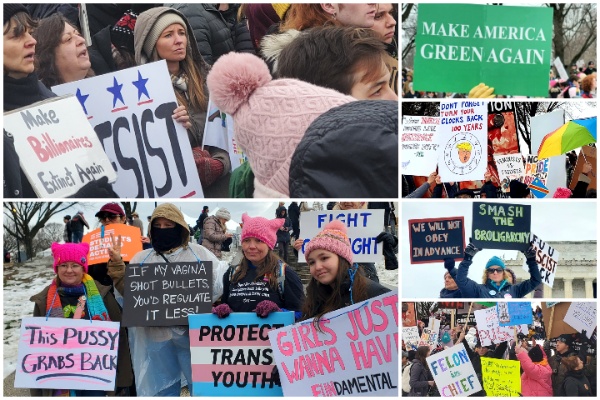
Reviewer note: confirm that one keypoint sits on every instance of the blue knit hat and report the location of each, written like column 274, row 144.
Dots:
column 495, row 261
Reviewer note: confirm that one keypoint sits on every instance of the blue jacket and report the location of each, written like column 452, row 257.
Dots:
column 451, row 294
column 472, row 289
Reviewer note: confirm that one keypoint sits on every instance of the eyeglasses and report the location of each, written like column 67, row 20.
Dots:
column 65, row 267
column 492, row 270
column 110, row 217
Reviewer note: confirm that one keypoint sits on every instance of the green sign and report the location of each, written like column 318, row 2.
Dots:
column 459, row 46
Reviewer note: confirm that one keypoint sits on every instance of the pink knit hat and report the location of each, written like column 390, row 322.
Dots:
column 270, row 116
column 261, row 228
column 332, row 238
column 71, row 252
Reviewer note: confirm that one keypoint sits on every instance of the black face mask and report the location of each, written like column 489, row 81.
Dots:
column 166, row 238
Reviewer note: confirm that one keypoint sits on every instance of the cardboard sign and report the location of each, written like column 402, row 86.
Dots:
column 164, row 294
column 433, row 239
column 510, row 314
column 546, row 258
column 363, row 227
column 409, row 316
column 100, row 241
column 501, row 378
column 459, row 46
column 420, row 144
column 489, row 329
column 453, row 372
column 463, row 130
column 510, row 167
column 132, row 113
column 218, row 132
column 58, row 150
column 354, row 354
column 232, row 356
column 501, row 226
column 587, row 154
column 554, row 320
column 582, row 316
column 64, row 353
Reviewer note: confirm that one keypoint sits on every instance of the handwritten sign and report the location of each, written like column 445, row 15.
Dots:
column 218, row 132
column 58, row 149
column 501, row 378
column 582, row 316
column 163, row 294
column 489, row 329
column 433, row 239
column 546, row 257
column 431, row 335
column 132, row 113
column 510, row 314
column 100, row 241
column 354, row 354
column 410, row 337
column 233, row 356
column 460, row 45
column 501, row 226
column 453, row 372
column 420, row 143
column 363, row 227
column 535, row 168
column 510, row 167
column 64, row 353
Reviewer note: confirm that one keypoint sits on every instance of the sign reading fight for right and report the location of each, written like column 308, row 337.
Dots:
column 501, row 226
column 459, row 46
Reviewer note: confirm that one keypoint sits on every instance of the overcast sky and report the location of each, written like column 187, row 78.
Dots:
column 551, row 220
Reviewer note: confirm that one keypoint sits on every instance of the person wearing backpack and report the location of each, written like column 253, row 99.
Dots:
column 261, row 272
column 406, row 371
column 421, row 379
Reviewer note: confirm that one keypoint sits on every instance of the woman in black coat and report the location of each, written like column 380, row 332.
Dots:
column 421, row 379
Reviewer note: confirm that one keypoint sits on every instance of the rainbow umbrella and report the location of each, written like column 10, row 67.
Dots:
column 572, row 135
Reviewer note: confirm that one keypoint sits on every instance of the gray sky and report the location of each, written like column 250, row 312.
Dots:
column 551, row 220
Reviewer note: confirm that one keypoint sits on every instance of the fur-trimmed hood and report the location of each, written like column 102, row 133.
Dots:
column 271, row 46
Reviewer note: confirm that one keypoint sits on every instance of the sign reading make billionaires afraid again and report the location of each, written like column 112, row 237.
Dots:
column 461, row 45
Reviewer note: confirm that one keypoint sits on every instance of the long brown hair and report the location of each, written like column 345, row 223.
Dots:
column 267, row 268
column 304, row 16
column 321, row 299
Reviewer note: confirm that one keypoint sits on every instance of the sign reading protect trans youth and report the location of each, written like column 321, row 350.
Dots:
column 459, row 46
column 501, row 226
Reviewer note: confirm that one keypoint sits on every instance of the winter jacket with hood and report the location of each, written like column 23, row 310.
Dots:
column 536, row 379
column 213, row 235
column 419, row 378
column 472, row 289
column 577, row 384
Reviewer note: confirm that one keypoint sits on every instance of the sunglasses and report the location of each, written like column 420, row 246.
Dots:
column 110, row 217
column 492, row 270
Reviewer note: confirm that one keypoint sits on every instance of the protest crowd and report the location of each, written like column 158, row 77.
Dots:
column 505, row 356
column 263, row 66
column 99, row 280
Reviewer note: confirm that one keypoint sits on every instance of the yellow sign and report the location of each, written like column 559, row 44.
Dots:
column 501, row 378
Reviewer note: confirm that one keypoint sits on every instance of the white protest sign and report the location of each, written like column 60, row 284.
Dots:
column 363, row 227
column 562, row 72
column 410, row 336
column 463, row 140
column 132, row 113
column 489, row 329
column 218, row 132
column 453, row 372
column 547, row 259
column 535, row 168
column 541, row 125
column 65, row 353
column 431, row 335
column 58, row 150
column 355, row 353
column 420, row 144
column 510, row 167
column 582, row 316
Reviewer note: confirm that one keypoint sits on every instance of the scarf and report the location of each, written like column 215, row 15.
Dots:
column 87, row 287
column 543, row 363
column 23, row 92
column 497, row 287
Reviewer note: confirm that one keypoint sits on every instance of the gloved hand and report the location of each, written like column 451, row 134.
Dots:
column 222, row 310
column 530, row 252
column 449, row 263
column 583, row 337
column 471, row 250
column 265, row 307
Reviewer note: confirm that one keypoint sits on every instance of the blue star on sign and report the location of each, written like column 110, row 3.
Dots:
column 116, row 91
column 82, row 99
column 140, row 84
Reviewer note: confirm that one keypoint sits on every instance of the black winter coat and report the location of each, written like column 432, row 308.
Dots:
column 577, row 384
column 419, row 377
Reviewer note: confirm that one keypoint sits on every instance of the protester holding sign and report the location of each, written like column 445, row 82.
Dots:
column 496, row 280
column 161, row 354
column 450, row 289
column 421, row 380
column 262, row 282
column 536, row 379
column 74, row 294
column 335, row 280
column 162, row 33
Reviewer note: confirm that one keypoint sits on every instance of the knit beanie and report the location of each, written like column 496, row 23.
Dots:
column 70, row 252
column 495, row 260
column 261, row 228
column 281, row 9
column 332, row 238
column 270, row 116
column 161, row 23
column 121, row 34
column 111, row 208
column 11, row 9
column 536, row 354
column 223, row 213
